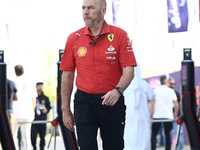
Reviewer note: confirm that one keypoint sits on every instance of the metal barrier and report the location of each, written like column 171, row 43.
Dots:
column 41, row 122
column 163, row 120
column 34, row 122
column 53, row 123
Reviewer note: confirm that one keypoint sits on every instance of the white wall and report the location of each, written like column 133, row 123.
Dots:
column 158, row 51
column 36, row 24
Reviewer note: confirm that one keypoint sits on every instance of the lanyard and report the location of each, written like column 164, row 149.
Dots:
column 94, row 42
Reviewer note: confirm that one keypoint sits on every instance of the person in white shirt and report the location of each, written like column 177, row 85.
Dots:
column 164, row 102
column 147, row 100
column 133, row 103
column 24, row 107
column 138, row 127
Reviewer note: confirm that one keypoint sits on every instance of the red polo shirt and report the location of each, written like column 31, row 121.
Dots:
column 99, row 67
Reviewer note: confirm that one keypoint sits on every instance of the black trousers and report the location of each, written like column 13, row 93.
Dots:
column 155, row 128
column 19, row 136
column 35, row 129
column 90, row 115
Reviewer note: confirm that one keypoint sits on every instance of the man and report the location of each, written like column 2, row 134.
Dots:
column 181, row 136
column 133, row 102
column 165, row 98
column 41, row 110
column 104, row 60
column 146, row 111
column 137, row 132
column 171, row 85
column 24, row 107
column 137, row 96
column 12, row 96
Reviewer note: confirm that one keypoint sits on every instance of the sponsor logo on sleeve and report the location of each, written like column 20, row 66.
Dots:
column 129, row 46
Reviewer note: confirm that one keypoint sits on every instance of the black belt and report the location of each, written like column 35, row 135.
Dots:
column 89, row 95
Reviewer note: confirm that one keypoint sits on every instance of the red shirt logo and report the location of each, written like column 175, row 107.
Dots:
column 82, row 51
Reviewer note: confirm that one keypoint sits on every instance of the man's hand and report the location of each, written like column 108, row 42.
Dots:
column 111, row 98
column 175, row 109
column 68, row 119
column 175, row 115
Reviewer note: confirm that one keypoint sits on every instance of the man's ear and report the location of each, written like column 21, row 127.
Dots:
column 104, row 10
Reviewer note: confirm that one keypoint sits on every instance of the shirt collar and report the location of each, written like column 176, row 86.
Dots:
column 105, row 30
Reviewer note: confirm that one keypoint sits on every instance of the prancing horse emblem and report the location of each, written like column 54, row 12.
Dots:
column 110, row 37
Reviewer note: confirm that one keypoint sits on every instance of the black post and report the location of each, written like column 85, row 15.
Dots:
column 69, row 137
column 6, row 137
column 189, row 101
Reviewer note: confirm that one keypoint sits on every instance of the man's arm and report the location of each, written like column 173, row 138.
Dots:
column 15, row 97
column 151, row 107
column 112, row 97
column 66, row 90
column 48, row 105
column 127, row 77
column 176, row 107
column 34, row 103
column 14, row 88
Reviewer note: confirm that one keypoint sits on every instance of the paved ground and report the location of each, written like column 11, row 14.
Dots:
column 60, row 147
column 59, row 144
column 186, row 147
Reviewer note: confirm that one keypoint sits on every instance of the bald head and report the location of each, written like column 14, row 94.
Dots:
column 93, row 13
column 102, row 3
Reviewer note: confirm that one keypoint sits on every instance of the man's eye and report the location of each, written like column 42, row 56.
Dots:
column 90, row 7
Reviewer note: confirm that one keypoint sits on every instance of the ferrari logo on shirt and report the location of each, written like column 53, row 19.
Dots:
column 110, row 37
column 82, row 51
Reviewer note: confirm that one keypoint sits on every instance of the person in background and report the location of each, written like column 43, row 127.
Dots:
column 164, row 101
column 41, row 111
column 138, row 95
column 103, row 57
column 181, row 136
column 198, row 113
column 132, row 96
column 24, row 107
column 160, row 136
column 19, row 137
column 148, row 101
column 12, row 96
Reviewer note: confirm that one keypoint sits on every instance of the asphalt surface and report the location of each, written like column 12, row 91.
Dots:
column 59, row 145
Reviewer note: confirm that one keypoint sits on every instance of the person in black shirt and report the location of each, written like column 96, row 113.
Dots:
column 175, row 126
column 41, row 110
column 12, row 96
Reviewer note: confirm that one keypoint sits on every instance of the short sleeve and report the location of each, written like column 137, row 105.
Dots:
column 127, row 57
column 149, row 92
column 68, row 60
column 174, row 97
column 14, row 87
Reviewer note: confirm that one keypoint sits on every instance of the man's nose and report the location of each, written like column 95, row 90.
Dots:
column 85, row 11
